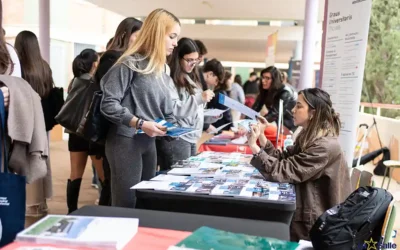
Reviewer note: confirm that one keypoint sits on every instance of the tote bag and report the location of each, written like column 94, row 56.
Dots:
column 77, row 104
column 12, row 191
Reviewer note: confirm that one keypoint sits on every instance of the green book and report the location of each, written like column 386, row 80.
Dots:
column 206, row 238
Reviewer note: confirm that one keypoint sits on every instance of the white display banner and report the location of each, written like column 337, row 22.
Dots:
column 344, row 50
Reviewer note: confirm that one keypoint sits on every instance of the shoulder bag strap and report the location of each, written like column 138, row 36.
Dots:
column 3, row 133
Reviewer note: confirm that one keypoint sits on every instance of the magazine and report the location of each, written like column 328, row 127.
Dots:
column 81, row 231
column 233, row 187
column 210, row 238
column 272, row 190
column 255, row 174
column 172, row 129
column 204, row 187
column 203, row 172
column 166, row 177
column 234, row 172
column 206, row 170
column 187, row 164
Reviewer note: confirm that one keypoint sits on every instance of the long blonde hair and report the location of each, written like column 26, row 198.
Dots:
column 150, row 42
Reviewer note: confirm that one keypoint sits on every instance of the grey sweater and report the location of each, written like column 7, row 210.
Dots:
column 188, row 109
column 127, row 93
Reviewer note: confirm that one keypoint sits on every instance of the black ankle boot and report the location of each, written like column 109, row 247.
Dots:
column 73, row 188
column 105, row 195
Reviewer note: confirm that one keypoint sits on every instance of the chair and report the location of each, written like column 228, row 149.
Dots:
column 355, row 178
column 390, row 166
column 388, row 224
column 366, row 179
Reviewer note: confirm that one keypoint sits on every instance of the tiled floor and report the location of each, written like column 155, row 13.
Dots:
column 61, row 170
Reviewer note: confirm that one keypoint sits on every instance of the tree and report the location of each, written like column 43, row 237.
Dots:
column 382, row 67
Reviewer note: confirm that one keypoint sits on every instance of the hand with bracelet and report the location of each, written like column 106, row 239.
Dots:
column 150, row 128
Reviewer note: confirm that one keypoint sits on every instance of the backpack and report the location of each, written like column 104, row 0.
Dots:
column 349, row 224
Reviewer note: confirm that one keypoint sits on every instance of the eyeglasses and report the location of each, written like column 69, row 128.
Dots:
column 191, row 62
column 266, row 78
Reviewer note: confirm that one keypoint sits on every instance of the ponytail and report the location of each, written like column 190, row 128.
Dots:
column 83, row 64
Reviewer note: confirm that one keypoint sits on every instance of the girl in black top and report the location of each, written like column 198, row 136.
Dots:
column 36, row 71
column 125, row 35
column 83, row 67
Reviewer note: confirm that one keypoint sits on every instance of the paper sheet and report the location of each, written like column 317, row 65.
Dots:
column 216, row 130
column 230, row 103
column 214, row 112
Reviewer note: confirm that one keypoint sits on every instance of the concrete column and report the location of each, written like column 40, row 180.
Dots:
column 310, row 31
column 44, row 29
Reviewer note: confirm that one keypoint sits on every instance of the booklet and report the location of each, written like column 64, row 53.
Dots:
column 272, row 190
column 246, row 124
column 187, row 164
column 210, row 238
column 201, row 172
column 233, row 187
column 166, row 177
column 234, row 172
column 81, row 231
column 172, row 129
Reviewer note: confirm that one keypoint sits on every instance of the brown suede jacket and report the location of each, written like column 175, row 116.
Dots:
column 320, row 175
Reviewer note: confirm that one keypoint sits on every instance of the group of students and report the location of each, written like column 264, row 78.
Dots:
column 148, row 73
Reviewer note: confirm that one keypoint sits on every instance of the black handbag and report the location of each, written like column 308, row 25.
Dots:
column 77, row 104
column 94, row 126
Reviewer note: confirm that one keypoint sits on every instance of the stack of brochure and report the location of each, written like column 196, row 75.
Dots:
column 81, row 231
column 172, row 129
column 221, row 186
column 203, row 170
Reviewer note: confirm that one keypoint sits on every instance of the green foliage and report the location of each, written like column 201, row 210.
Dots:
column 382, row 68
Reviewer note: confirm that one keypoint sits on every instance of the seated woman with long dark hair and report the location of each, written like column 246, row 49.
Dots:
column 315, row 164
column 271, row 91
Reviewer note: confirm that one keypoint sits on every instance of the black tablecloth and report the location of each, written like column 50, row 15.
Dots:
column 235, row 207
column 190, row 222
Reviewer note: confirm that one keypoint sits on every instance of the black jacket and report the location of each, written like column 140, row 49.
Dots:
column 289, row 101
column 108, row 59
column 51, row 105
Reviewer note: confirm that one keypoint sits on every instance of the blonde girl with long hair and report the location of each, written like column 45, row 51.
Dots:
column 134, row 95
